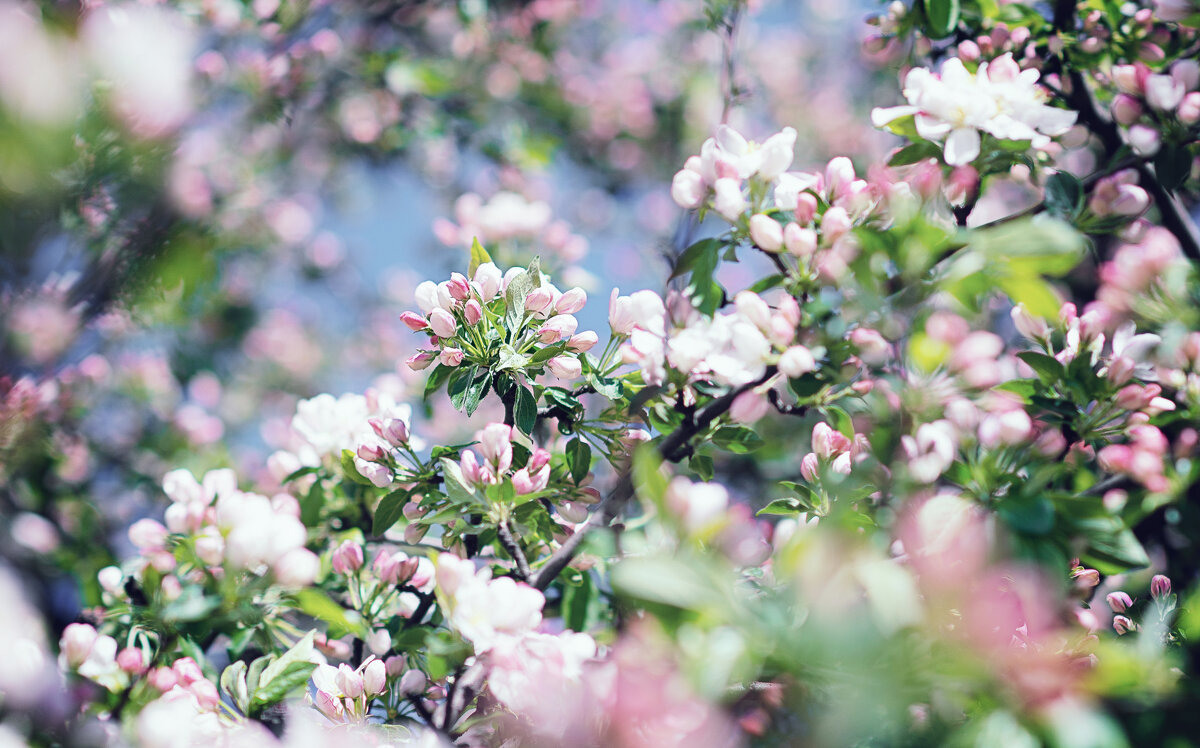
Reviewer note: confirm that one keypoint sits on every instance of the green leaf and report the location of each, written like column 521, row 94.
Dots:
column 510, row 359
column 943, row 17
column 1048, row 369
column 233, row 683
column 766, row 284
column 699, row 252
column 786, row 507
column 581, row 604
column 318, row 605
column 390, row 510
column 460, row 384
column 479, row 256
column 737, row 439
column 579, row 459
column 300, row 654
column 702, row 465
column 518, row 288
column 667, row 581
column 911, row 154
column 476, row 392
column 1033, row 516
column 437, row 378
column 193, row 605
column 291, row 678
column 1064, row 195
column 840, row 420
column 1023, row 388
column 457, row 489
column 1172, row 166
column 525, row 410
column 1114, row 549
column 648, row 480
column 545, row 354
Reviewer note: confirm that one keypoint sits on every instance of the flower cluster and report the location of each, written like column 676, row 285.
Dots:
column 730, row 348
column 510, row 321
column 999, row 99
column 213, row 525
column 1145, row 99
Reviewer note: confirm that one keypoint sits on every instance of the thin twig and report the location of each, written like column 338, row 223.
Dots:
column 514, row 549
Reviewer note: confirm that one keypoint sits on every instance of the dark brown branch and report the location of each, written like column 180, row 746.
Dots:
column 673, row 448
column 514, row 550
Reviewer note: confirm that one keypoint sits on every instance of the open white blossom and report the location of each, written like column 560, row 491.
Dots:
column 999, row 99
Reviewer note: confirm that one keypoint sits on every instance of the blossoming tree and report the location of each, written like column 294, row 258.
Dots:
column 925, row 474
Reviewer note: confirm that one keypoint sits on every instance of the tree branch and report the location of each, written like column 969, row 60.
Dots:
column 514, row 549
column 672, row 449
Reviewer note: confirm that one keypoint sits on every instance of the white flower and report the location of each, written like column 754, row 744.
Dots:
column 999, row 99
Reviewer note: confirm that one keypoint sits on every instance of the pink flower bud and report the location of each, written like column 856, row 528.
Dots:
column 1128, row 79
column 583, row 342
column 573, row 511
column 1034, row 328
column 451, row 356
column 460, row 289
column 349, row 682
column 187, row 672
column 766, row 232
column 808, row 466
column 1085, row 578
column 571, row 301
column 1189, row 109
column 414, row 321
column 347, row 557
column 796, row 361
column 468, row 463
column 558, row 327
column 1115, row 458
column 374, row 677
column 539, row 300
column 1120, row 370
column 1131, row 200
column 749, row 407
column 473, row 312
column 801, row 242
column 1119, row 601
column 487, row 280
column 1144, row 140
column 371, row 452
column 873, row 349
column 420, row 360
column 395, row 665
column 148, row 535
column 76, row 643
column 130, row 660
column 806, row 208
column 539, row 459
column 414, row 533
column 688, row 189
column 413, row 683
column 835, row 224
column 565, row 367
column 1123, row 625
column 442, row 323
column 394, row 431
column 1160, row 587
column 162, row 679
column 1126, row 110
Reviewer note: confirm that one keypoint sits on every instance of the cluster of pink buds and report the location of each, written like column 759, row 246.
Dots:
column 1136, row 272
column 213, row 528
column 184, row 677
column 1119, row 195
column 1146, row 97
column 1141, row 458
column 833, row 449
column 94, row 656
column 344, row 694
column 466, row 321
